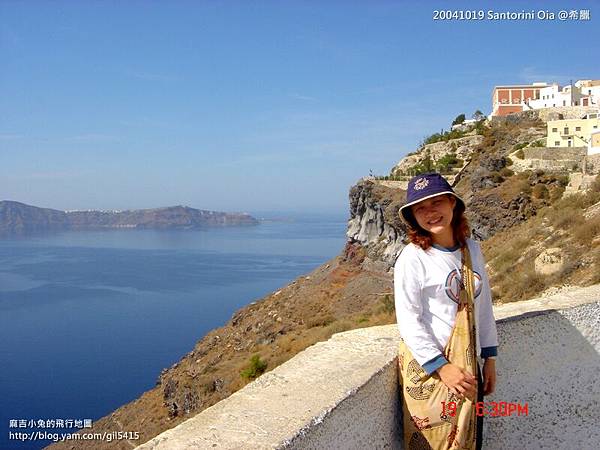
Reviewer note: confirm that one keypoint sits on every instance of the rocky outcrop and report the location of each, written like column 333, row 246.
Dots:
column 490, row 214
column 374, row 222
column 549, row 262
column 579, row 182
column 463, row 148
column 19, row 218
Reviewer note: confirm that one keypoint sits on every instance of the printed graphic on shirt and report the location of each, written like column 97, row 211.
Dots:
column 453, row 285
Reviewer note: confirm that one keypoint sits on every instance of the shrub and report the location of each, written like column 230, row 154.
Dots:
column 563, row 180
column 426, row 165
column 459, row 119
column 478, row 116
column 556, row 193
column 488, row 140
column 387, row 304
column 435, row 137
column 595, row 186
column 587, row 231
column 509, row 162
column 496, row 177
column 339, row 327
column 447, row 162
column 569, row 220
column 525, row 187
column 417, row 169
column 506, row 172
column 320, row 321
column 257, row 368
column 540, row 191
column 479, row 127
column 538, row 143
column 521, row 145
column 444, row 136
column 454, row 134
column 520, row 154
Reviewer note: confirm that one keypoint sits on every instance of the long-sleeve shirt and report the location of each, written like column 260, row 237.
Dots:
column 426, row 294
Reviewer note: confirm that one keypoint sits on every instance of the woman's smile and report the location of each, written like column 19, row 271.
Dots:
column 434, row 215
column 434, row 211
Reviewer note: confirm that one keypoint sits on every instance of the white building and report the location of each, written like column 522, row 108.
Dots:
column 590, row 92
column 581, row 93
column 554, row 96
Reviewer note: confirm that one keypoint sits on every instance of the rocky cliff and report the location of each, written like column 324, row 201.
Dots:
column 19, row 218
column 374, row 223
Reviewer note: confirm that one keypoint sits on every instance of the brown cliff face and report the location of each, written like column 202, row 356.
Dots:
column 19, row 218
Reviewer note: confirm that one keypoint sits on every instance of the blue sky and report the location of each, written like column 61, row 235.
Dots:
column 250, row 105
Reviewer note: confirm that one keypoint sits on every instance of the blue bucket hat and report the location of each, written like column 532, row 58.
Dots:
column 422, row 187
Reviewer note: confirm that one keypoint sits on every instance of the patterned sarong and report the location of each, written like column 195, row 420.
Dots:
column 427, row 425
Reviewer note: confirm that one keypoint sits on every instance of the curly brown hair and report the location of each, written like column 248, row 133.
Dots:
column 460, row 227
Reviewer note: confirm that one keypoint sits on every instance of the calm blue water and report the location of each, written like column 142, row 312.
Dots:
column 89, row 319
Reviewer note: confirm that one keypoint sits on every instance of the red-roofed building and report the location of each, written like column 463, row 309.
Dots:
column 510, row 99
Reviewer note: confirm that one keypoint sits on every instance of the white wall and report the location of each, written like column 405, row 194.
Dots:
column 343, row 393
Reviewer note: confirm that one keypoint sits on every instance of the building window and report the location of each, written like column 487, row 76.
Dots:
column 566, row 130
column 569, row 143
column 555, row 130
column 557, row 143
column 564, row 103
column 577, row 128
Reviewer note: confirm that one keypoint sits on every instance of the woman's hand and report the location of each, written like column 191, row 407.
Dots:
column 459, row 381
column 489, row 376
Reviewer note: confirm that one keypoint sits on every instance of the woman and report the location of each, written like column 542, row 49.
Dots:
column 445, row 317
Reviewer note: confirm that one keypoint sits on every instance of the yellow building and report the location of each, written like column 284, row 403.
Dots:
column 594, row 147
column 572, row 132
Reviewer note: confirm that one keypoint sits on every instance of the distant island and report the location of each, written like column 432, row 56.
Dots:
column 19, row 218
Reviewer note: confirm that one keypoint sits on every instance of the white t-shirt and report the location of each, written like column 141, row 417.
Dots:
column 426, row 290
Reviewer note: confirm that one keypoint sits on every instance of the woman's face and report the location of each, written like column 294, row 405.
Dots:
column 435, row 214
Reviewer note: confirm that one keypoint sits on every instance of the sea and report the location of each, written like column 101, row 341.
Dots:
column 89, row 319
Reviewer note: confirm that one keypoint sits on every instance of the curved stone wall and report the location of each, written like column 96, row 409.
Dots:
column 343, row 393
